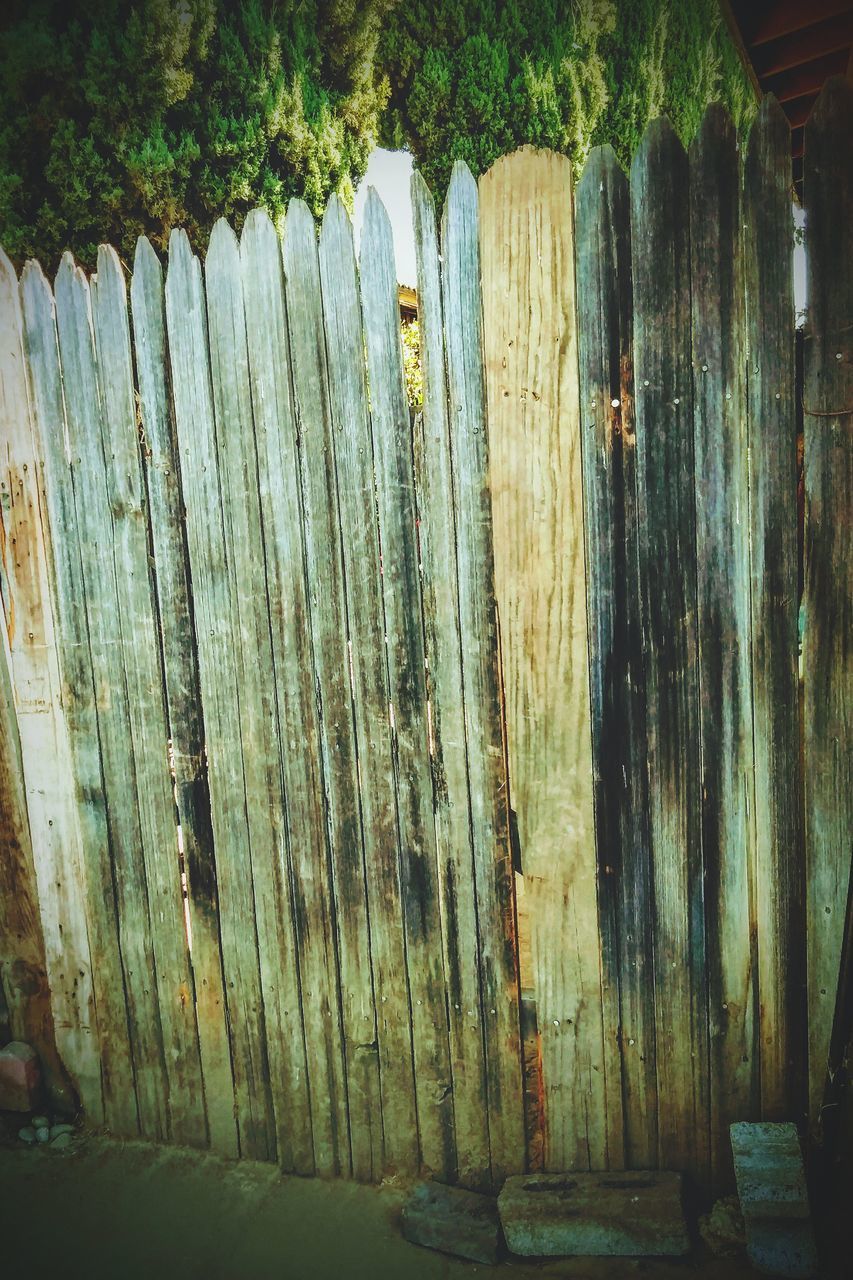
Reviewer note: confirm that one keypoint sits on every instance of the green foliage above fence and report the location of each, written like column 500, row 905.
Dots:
column 473, row 81
column 119, row 119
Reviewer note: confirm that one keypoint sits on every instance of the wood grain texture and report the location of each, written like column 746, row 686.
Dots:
column 463, row 301
column 257, row 700
column 828, row 593
column 140, row 652
column 183, row 698
column 391, row 434
column 530, row 333
column 773, row 532
column 297, row 707
column 444, row 658
column 663, row 378
column 215, row 635
column 723, row 626
column 35, row 676
column 606, row 356
column 366, row 621
column 328, row 619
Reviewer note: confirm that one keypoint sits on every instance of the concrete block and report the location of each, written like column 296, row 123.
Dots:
column 771, row 1180
column 594, row 1214
column 20, row 1077
column 782, row 1248
column 453, row 1220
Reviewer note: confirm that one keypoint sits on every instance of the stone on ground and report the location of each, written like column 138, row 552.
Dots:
column 454, row 1221
column 594, row 1214
column 722, row 1229
column 771, row 1184
column 27, row 1134
column 20, row 1077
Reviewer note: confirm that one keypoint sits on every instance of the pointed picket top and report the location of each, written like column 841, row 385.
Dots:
column 602, row 167
column 462, row 188
column 146, row 260
column 717, row 131
column 770, row 135
column 660, row 147
column 34, row 283
column 180, row 250
column 420, row 192
column 69, row 275
column 7, row 271
column 376, row 230
column 336, row 223
column 834, row 102
column 376, row 263
column 223, row 249
column 259, row 232
column 110, row 268
column 300, row 233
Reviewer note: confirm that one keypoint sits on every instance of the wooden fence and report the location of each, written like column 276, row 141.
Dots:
column 271, row 729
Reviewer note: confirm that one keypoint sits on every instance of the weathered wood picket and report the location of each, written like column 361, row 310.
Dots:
column 283, row 656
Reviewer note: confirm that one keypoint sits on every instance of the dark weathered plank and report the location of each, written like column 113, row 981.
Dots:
column 437, row 535
column 605, row 332
column 773, row 532
column 256, row 686
column 725, row 678
column 149, row 734
column 482, row 691
column 828, row 592
column 183, row 697
column 324, row 565
column 404, row 651
column 660, row 248
column 296, row 693
column 98, row 527
column 187, row 331
column 357, row 501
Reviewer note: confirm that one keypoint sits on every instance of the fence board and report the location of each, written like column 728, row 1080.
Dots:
column 532, row 383
column 404, row 650
column 605, row 331
column 773, row 530
column 188, row 351
column 292, row 658
column 101, row 570
column 482, row 690
column 437, row 529
column 722, row 557
column 30, row 625
column 186, row 728
column 664, row 424
column 324, row 560
column 827, row 651
column 257, row 692
column 146, row 711
column 356, row 497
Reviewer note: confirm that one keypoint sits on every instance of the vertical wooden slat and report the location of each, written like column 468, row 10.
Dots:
column 256, row 683
column 187, row 332
column 102, row 567
column 828, row 637
column 297, row 702
column 183, row 700
column 437, row 533
column 404, row 650
column 722, row 558
column 140, row 653
column 478, row 620
column 532, row 382
column 660, row 248
column 31, row 638
column 356, row 496
column 322, row 537
column 773, row 533
column 110, row 1030
column 605, row 333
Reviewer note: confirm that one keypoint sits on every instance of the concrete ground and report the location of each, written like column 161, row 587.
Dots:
column 127, row 1210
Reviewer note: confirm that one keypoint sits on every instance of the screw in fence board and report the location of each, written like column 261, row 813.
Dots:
column 288, row 591
column 828, row 603
column 186, row 320
column 663, row 378
column 444, row 657
column 404, row 651
column 530, row 331
column 100, row 541
column 183, row 697
column 463, row 300
column 110, row 1030
column 605, row 341
column 366, row 622
column 723, row 625
column 46, row 761
column 256, row 682
column 327, row 614
column 143, row 673
column 773, row 534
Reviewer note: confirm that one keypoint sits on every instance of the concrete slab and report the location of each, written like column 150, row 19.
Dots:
column 454, row 1221
column 594, row 1214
